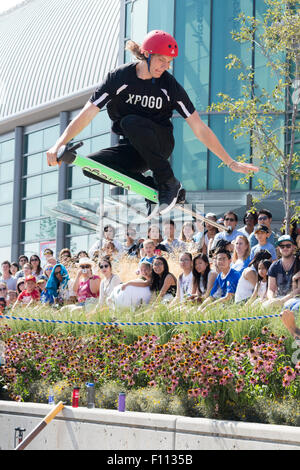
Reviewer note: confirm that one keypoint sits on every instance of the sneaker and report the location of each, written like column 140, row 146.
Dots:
column 168, row 194
column 181, row 196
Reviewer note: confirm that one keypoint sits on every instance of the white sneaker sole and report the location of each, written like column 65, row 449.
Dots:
column 173, row 203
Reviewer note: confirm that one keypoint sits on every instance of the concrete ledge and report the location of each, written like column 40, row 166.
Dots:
column 87, row 429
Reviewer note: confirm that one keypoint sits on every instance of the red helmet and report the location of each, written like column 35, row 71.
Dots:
column 160, row 42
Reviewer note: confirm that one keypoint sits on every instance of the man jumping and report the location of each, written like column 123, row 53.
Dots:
column 140, row 98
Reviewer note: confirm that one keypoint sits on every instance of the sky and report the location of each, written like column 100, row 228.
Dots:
column 7, row 4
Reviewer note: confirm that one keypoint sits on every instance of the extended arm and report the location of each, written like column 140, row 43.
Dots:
column 208, row 138
column 88, row 112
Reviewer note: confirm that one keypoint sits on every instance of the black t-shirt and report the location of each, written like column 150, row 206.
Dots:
column 124, row 93
column 283, row 278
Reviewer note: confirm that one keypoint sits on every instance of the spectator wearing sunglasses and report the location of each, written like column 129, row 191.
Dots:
column 47, row 270
column 6, row 277
column 281, row 273
column 58, row 285
column 86, row 284
column 264, row 217
column 230, row 220
column 37, row 270
column 108, row 282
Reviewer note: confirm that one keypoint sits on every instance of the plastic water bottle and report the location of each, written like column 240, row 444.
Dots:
column 90, row 395
column 51, row 397
column 75, row 397
column 121, row 404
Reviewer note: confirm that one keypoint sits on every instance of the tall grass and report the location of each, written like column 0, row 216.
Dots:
column 158, row 313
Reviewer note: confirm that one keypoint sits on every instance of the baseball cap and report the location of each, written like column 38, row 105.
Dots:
column 30, row 278
column 261, row 228
column 285, row 238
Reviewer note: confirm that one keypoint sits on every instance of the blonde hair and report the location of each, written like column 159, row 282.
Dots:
column 247, row 251
column 135, row 49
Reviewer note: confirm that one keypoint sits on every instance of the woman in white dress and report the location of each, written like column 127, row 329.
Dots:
column 249, row 277
column 109, row 282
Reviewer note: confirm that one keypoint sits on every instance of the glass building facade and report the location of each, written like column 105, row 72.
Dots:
column 202, row 29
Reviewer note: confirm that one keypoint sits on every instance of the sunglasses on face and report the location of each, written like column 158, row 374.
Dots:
column 230, row 219
column 262, row 217
column 101, row 266
column 85, row 266
column 57, row 272
column 34, row 259
column 287, row 245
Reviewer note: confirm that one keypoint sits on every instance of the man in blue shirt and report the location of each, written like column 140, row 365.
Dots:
column 225, row 283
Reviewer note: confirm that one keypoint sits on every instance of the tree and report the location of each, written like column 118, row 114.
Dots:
column 258, row 112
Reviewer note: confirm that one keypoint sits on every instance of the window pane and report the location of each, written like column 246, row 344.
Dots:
column 82, row 193
column 32, row 186
column 189, row 158
column 51, row 135
column 44, row 229
column 31, row 249
column 6, row 171
column 5, row 254
column 77, row 177
column 7, row 150
column 6, row 214
column 48, row 201
column 95, row 191
column 50, row 182
column 193, row 35
column 128, row 20
column 223, row 22
column 6, row 192
column 100, row 142
column 33, row 142
column 48, row 228
column 101, row 123
column 222, row 177
column 33, row 164
column 165, row 19
column 32, row 208
column 32, row 230
column 5, row 235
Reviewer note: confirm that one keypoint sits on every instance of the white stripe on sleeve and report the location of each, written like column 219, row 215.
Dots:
column 102, row 97
column 184, row 108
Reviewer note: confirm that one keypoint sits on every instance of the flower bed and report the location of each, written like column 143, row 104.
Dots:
column 205, row 377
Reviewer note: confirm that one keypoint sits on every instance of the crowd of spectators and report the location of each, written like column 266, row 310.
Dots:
column 250, row 265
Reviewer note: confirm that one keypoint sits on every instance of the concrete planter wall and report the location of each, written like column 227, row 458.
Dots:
column 90, row 429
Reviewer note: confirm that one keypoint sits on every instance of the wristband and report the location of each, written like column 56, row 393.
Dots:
column 229, row 166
